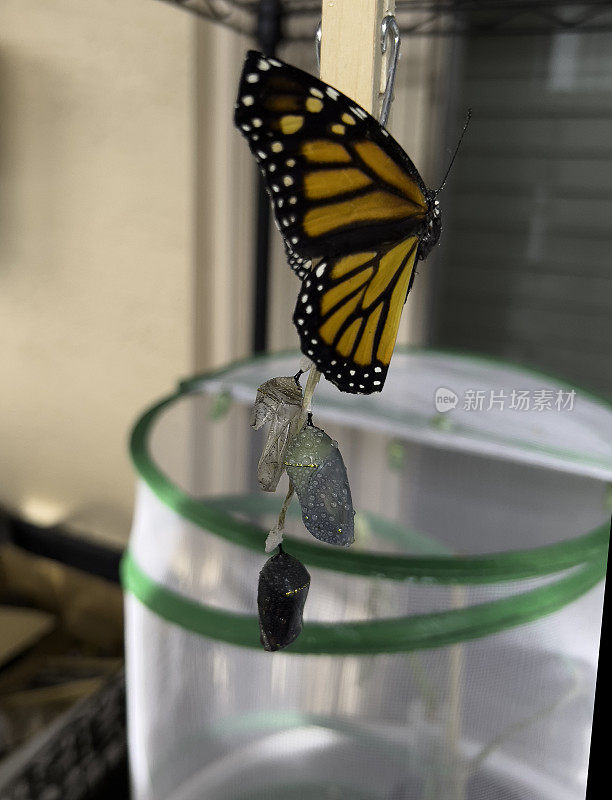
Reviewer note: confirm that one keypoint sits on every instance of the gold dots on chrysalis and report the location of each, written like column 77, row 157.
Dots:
column 276, row 147
column 291, row 123
column 338, row 129
column 347, row 119
column 313, row 104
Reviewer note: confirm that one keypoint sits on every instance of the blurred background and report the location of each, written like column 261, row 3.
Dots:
column 128, row 222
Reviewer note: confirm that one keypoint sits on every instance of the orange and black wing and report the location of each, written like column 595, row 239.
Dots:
column 348, row 313
column 339, row 183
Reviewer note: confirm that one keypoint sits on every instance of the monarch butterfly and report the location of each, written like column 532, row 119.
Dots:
column 354, row 213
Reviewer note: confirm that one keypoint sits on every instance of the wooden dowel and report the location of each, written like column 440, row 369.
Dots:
column 351, row 55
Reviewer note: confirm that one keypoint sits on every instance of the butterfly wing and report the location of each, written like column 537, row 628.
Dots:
column 345, row 192
column 348, row 313
column 339, row 183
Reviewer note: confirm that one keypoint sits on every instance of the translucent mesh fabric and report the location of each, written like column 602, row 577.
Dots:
column 495, row 718
column 505, row 716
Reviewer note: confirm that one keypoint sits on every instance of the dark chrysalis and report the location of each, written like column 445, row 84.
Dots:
column 316, row 470
column 283, row 587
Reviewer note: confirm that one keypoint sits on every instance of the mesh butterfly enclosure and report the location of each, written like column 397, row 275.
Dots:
column 450, row 652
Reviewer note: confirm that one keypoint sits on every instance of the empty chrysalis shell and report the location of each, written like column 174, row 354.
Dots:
column 316, row 470
column 279, row 402
column 283, row 587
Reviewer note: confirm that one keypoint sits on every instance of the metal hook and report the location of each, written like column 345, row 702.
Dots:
column 389, row 28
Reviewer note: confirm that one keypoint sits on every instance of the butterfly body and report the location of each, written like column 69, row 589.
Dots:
column 354, row 213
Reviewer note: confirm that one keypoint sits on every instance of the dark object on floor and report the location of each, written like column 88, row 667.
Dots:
column 82, row 756
column 63, row 546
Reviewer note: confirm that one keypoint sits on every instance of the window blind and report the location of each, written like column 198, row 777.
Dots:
column 524, row 270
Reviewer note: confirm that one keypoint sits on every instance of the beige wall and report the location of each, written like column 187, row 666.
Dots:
column 96, row 218
column 224, row 183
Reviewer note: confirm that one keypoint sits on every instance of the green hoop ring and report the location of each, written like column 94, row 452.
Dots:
column 587, row 554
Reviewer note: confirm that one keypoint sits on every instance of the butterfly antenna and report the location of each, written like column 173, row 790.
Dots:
column 452, row 161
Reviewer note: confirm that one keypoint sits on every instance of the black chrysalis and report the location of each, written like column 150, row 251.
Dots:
column 283, row 587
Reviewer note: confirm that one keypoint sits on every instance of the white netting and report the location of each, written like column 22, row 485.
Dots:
column 506, row 716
